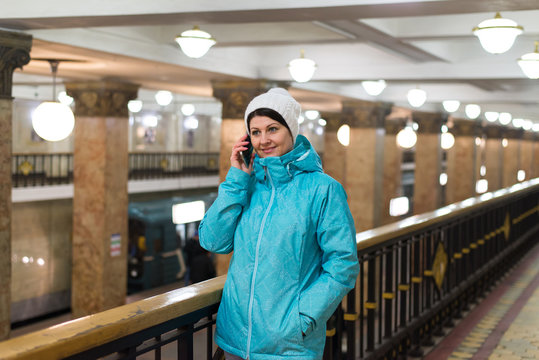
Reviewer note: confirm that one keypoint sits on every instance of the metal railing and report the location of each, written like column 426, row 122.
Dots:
column 57, row 168
column 417, row 275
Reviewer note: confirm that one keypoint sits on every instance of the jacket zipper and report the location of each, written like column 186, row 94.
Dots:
column 251, row 296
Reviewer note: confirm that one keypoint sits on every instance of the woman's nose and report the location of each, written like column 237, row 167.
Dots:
column 264, row 138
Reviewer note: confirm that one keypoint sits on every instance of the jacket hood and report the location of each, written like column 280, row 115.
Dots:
column 303, row 158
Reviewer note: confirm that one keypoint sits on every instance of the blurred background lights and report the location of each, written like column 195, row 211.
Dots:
column 374, row 88
column 134, row 105
column 163, row 97
column 472, row 111
column 311, row 114
column 491, row 116
column 64, row 98
column 505, row 118
column 451, row 105
column 399, row 206
column 481, row 186
column 343, row 135
column 188, row 109
column 443, row 179
column 521, row 175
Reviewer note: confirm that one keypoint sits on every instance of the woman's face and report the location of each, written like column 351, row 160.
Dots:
column 269, row 137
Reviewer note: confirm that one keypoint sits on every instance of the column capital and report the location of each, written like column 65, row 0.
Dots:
column 235, row 95
column 493, row 131
column 101, row 98
column 394, row 125
column 462, row 127
column 511, row 133
column 429, row 123
column 365, row 114
column 14, row 53
column 334, row 121
column 529, row 135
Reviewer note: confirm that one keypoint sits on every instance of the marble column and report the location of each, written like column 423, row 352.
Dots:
column 14, row 53
column 511, row 156
column 461, row 161
column 526, row 154
column 535, row 158
column 494, row 157
column 364, row 161
column 392, row 173
column 427, row 162
column 235, row 95
column 334, row 151
column 99, row 270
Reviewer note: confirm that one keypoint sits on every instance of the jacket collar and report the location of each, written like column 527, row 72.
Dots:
column 303, row 158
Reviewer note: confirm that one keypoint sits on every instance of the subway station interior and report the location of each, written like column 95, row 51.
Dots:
column 426, row 111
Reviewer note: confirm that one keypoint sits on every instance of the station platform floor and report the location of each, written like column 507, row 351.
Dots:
column 504, row 325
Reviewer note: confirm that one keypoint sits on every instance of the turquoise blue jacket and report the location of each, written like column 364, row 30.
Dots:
column 294, row 258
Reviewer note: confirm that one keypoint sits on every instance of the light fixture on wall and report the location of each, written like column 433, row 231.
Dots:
column 343, row 135
column 529, row 63
column 195, row 43
column 416, row 97
column 497, row 35
column 447, row 139
column 302, row 69
column 406, row 138
column 472, row 111
column 52, row 120
column 374, row 87
column 163, row 97
column 451, row 105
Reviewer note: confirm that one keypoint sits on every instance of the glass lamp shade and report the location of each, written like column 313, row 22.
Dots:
column 417, row 97
column 343, row 135
column 163, row 97
column 491, row 116
column 497, row 35
column 505, row 118
column 529, row 63
column 53, row 121
column 472, row 111
column 188, row 109
column 406, row 138
column 302, row 69
column 451, row 105
column 134, row 105
column 447, row 140
column 374, row 88
column 195, row 43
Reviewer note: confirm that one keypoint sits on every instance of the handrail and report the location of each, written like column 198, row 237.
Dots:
column 415, row 223
column 416, row 235
column 76, row 336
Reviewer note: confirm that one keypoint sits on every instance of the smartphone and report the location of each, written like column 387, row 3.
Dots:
column 247, row 153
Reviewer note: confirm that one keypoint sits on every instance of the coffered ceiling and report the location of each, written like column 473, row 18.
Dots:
column 407, row 43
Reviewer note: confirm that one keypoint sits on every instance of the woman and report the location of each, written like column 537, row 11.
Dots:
column 293, row 239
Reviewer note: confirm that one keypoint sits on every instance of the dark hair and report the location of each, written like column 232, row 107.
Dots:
column 272, row 114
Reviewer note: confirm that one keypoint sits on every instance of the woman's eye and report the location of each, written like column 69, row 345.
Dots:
column 272, row 129
column 255, row 132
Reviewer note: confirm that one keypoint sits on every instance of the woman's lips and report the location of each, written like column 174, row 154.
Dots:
column 268, row 150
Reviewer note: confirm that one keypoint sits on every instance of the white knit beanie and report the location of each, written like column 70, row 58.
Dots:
column 277, row 99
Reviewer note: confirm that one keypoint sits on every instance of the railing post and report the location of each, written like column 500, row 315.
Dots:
column 185, row 343
column 370, row 305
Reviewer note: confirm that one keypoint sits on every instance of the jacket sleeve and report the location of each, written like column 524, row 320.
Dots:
column 336, row 237
column 217, row 228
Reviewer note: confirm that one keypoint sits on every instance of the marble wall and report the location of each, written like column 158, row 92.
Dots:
column 510, row 163
column 493, row 164
column 427, row 170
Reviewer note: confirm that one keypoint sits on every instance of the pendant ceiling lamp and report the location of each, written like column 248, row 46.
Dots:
column 52, row 120
column 497, row 35
column 374, row 88
column 451, row 105
column 302, row 69
column 417, row 97
column 195, row 43
column 529, row 63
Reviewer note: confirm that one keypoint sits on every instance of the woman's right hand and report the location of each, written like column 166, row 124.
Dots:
column 236, row 159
